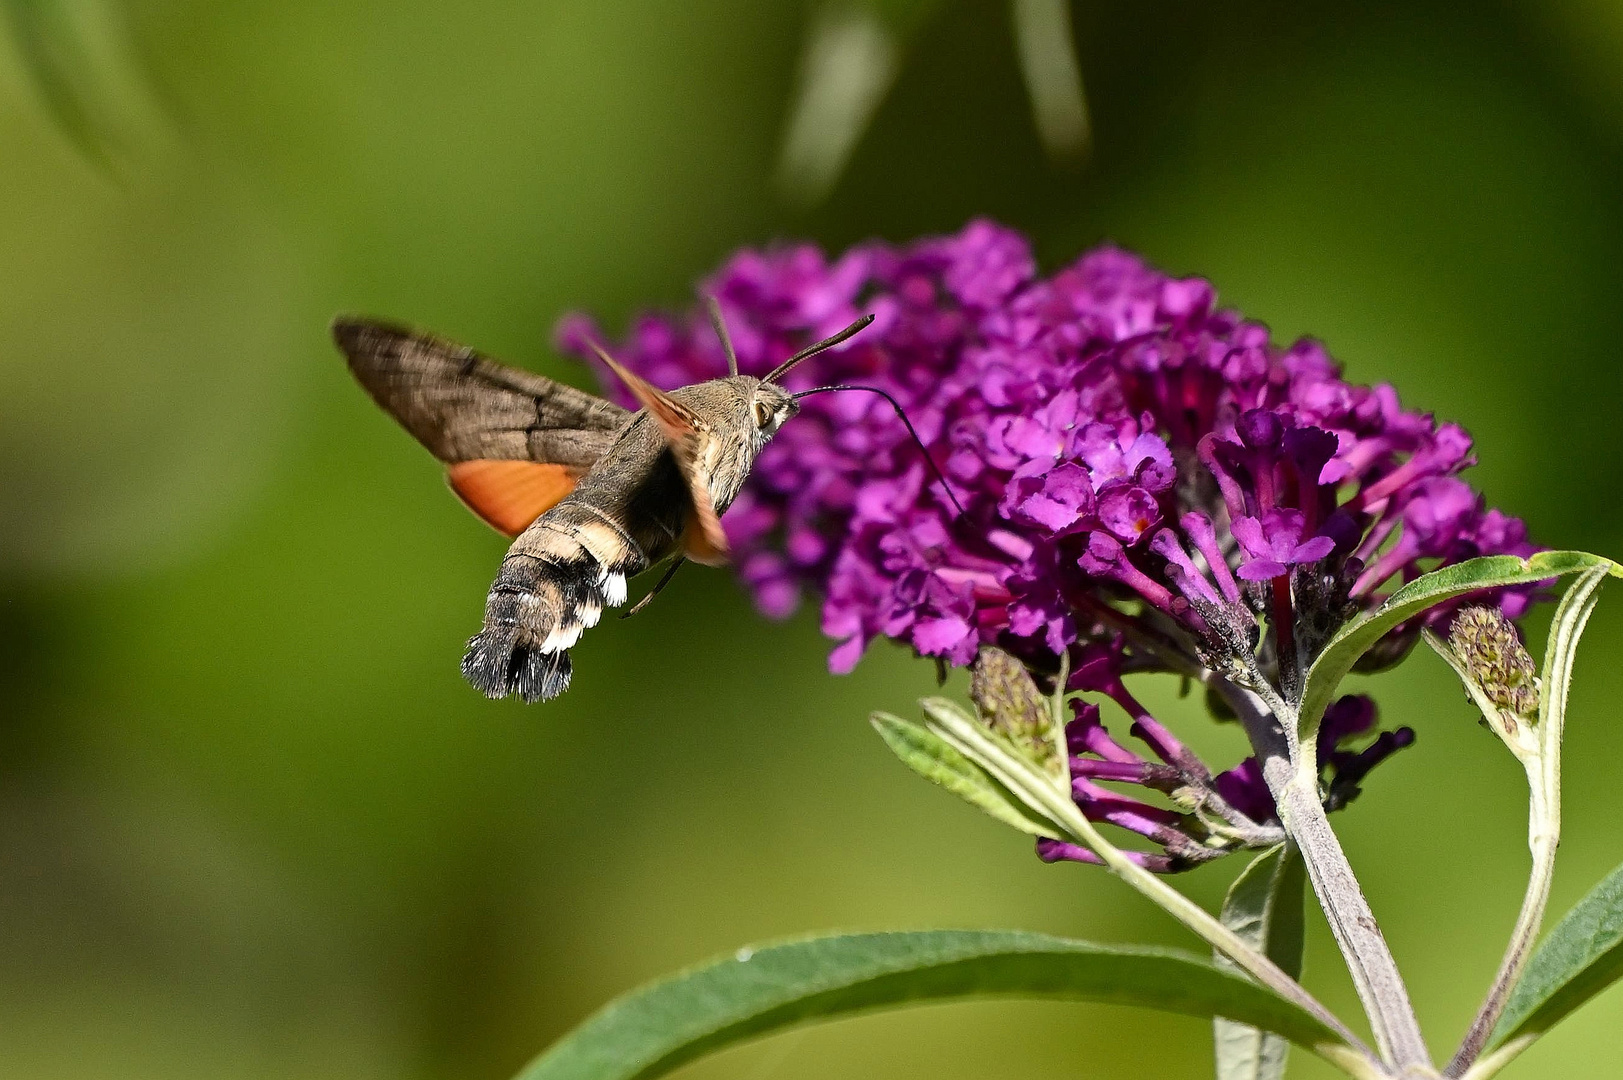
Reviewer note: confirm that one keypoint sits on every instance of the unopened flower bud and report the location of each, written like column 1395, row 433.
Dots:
column 1010, row 704
column 1489, row 646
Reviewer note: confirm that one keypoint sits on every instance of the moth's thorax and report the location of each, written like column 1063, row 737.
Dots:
column 741, row 413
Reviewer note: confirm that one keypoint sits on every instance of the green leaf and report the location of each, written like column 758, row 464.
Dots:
column 935, row 759
column 1427, row 591
column 1046, row 47
column 1265, row 907
column 652, row 1030
column 1565, row 631
column 850, row 59
column 1043, row 793
column 1581, row 957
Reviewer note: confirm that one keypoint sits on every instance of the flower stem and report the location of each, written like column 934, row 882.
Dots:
column 1284, row 620
column 1291, row 771
column 1491, row 1063
column 1351, row 1055
column 1056, row 708
column 1374, row 971
column 1053, row 800
column 1543, row 835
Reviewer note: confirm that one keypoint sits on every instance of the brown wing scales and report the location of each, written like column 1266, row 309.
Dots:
column 463, row 406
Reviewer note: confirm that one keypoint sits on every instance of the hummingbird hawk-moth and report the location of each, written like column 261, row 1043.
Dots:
column 592, row 493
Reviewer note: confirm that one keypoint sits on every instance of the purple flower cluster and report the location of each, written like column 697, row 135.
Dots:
column 1132, row 459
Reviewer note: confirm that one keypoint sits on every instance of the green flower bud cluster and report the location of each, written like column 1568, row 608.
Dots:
column 1011, row 705
column 1491, row 649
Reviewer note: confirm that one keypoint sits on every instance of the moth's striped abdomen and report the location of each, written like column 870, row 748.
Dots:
column 554, row 584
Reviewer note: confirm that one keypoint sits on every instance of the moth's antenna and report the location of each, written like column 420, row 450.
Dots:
column 721, row 332
column 900, row 414
column 812, row 350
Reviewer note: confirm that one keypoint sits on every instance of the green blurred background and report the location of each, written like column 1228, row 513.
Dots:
column 253, row 823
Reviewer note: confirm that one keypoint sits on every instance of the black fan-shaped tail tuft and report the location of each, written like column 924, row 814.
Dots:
column 487, row 662
column 499, row 667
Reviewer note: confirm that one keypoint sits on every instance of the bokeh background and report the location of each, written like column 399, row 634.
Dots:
column 252, row 822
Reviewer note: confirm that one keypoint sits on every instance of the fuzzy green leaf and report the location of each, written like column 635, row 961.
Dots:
column 1043, row 793
column 1582, row 956
column 1565, row 631
column 935, row 759
column 1265, row 907
column 652, row 1030
column 1427, row 591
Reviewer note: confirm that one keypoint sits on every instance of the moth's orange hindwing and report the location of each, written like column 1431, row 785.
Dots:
column 509, row 495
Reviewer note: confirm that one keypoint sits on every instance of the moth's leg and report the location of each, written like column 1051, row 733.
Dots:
column 676, row 564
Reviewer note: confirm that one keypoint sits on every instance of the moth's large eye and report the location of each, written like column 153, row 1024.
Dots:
column 763, row 413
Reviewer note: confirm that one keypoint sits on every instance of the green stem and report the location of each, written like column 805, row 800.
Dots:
column 1053, row 799
column 1290, row 767
column 1491, row 1063
column 1542, row 842
column 1056, row 708
column 1351, row 1055
column 1374, row 971
column 1543, row 764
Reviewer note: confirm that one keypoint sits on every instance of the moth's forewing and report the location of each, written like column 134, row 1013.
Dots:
column 463, row 406
column 515, row 443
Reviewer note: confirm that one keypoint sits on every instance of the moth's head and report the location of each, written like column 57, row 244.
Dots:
column 769, row 406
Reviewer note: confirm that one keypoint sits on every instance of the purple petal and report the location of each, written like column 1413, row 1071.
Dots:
column 933, row 637
column 1129, row 513
column 1243, row 788
column 845, row 656
column 1248, row 531
column 1262, row 570
column 1314, row 550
